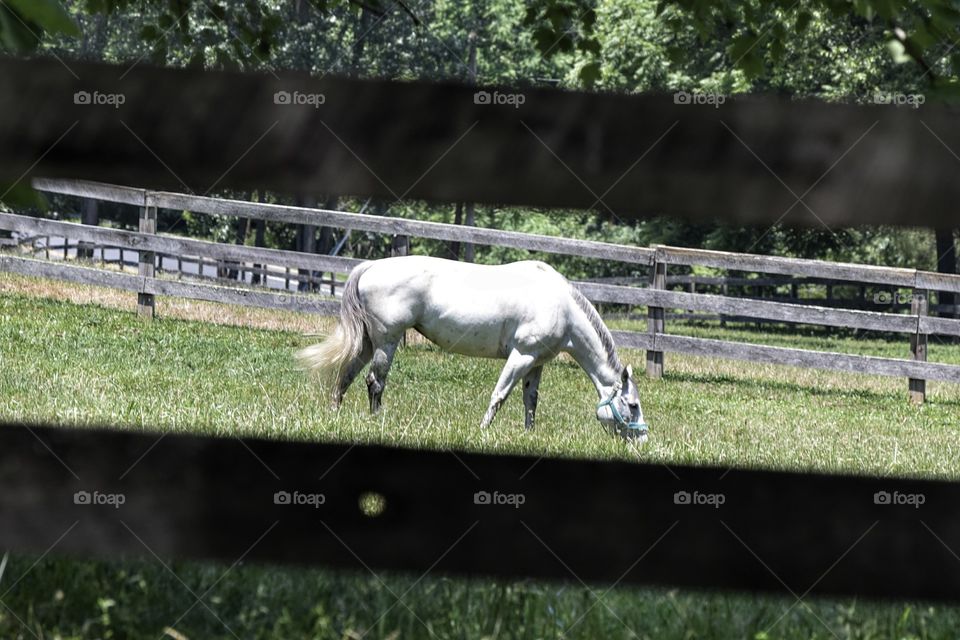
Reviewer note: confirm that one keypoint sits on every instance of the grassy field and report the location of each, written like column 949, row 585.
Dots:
column 95, row 364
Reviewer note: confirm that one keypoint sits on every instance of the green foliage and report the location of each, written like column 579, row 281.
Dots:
column 828, row 49
column 837, row 49
column 23, row 23
column 566, row 26
column 21, row 197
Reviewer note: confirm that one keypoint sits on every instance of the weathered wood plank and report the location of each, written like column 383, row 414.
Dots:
column 744, row 307
column 939, row 326
column 792, row 266
column 286, row 300
column 932, row 281
column 354, row 221
column 718, row 280
column 674, row 255
column 402, row 226
column 710, row 348
column 176, row 245
column 71, row 273
column 94, row 190
column 633, row 339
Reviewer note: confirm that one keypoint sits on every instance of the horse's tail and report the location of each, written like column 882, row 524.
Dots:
column 345, row 343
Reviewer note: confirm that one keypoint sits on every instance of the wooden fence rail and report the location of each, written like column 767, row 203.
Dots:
column 353, row 221
column 656, row 297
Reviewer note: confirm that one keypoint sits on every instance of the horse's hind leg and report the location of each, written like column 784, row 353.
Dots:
column 518, row 365
column 531, row 382
column 353, row 368
column 377, row 378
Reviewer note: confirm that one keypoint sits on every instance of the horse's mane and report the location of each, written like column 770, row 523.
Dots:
column 606, row 339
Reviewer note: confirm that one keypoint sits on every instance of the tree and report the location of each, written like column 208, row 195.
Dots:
column 946, row 263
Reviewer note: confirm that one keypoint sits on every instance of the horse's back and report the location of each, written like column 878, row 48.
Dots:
column 417, row 271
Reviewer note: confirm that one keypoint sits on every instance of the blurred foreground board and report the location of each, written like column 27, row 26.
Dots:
column 110, row 493
column 744, row 160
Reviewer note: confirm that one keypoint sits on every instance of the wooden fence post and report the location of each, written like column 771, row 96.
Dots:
column 148, row 224
column 918, row 345
column 655, row 315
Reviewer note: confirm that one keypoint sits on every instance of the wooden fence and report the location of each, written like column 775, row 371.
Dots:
column 656, row 297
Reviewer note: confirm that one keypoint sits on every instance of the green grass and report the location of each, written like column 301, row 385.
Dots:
column 87, row 365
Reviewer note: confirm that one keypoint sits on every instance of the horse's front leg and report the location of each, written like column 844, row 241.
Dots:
column 531, row 382
column 518, row 365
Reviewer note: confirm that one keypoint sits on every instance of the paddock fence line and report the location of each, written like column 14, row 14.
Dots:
column 656, row 296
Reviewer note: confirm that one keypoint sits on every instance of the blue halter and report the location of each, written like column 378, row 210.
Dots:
column 638, row 428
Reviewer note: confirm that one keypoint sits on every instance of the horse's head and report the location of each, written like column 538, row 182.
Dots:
column 620, row 411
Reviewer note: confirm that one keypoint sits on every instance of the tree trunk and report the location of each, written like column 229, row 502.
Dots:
column 307, row 243
column 457, row 219
column 468, row 254
column 243, row 226
column 326, row 233
column 326, row 242
column 89, row 214
column 302, row 8
column 360, row 37
column 259, row 240
column 946, row 263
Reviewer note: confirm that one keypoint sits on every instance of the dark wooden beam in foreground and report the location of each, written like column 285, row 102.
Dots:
column 747, row 160
column 470, row 514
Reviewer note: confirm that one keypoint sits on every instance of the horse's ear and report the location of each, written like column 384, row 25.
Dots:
column 627, row 374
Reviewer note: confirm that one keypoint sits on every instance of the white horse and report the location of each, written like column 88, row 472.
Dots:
column 525, row 312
